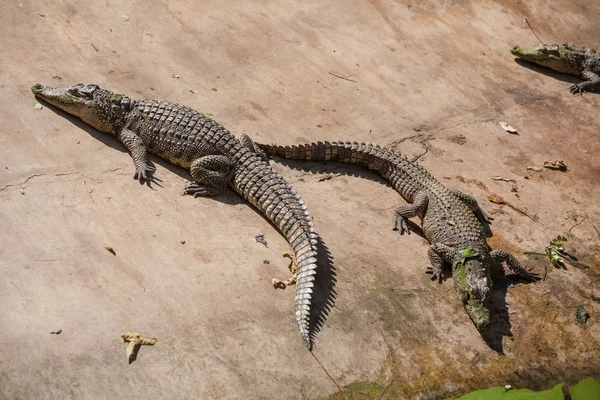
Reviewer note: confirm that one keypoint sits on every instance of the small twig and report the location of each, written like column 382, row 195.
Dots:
column 386, row 388
column 95, row 48
column 531, row 29
column 341, row 77
column 327, row 373
column 577, row 224
column 425, row 386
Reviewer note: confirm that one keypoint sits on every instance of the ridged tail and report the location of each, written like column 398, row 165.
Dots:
column 404, row 175
column 256, row 181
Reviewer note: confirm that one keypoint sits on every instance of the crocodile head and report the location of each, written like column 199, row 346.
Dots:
column 473, row 283
column 100, row 108
column 559, row 58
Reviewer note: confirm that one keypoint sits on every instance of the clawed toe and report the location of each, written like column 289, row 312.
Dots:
column 404, row 228
column 576, row 89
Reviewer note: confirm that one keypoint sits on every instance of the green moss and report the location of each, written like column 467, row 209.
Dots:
column 115, row 98
column 587, row 389
column 501, row 393
column 366, row 388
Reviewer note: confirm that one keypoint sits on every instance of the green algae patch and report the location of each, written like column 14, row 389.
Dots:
column 363, row 388
column 501, row 393
column 587, row 389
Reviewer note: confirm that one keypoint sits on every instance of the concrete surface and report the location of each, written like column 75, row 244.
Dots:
column 430, row 79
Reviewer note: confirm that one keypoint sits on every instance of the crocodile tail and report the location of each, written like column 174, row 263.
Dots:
column 404, row 175
column 367, row 155
column 256, row 181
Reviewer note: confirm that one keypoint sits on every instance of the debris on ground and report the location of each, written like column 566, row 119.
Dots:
column 508, row 128
column 325, row 178
column 110, row 250
column 595, row 298
column 582, row 315
column 125, row 18
column 537, row 169
column 22, row 189
column 58, row 332
column 266, row 262
column 559, row 257
column 501, row 178
column 175, row 76
column 558, row 165
column 500, row 200
column 38, row 106
column 135, row 341
column 260, row 238
column 182, row 241
column 279, row 284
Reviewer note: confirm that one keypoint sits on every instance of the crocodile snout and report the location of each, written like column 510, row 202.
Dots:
column 37, row 88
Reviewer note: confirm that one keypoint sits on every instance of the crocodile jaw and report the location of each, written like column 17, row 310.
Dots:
column 88, row 102
column 474, row 286
column 550, row 56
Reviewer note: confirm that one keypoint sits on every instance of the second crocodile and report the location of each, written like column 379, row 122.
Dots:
column 568, row 59
column 451, row 220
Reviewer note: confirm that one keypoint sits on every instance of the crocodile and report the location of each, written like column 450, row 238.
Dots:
column 451, row 220
column 215, row 158
column 568, row 59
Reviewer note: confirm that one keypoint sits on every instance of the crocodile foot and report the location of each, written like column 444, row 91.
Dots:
column 199, row 190
column 577, row 89
column 402, row 222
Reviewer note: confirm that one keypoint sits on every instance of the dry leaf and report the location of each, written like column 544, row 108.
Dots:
column 260, row 238
column 538, row 169
column 175, row 76
column 125, row 18
column 496, row 199
column 279, row 284
column 558, row 164
column 37, row 106
column 508, row 128
column 22, row 190
column 135, row 341
column 110, row 250
column 182, row 241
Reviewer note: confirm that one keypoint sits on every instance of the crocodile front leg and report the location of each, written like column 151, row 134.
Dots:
column 513, row 264
column 438, row 253
column 405, row 211
column 210, row 175
column 136, row 147
column 592, row 82
column 473, row 205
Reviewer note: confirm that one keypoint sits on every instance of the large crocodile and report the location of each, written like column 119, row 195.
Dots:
column 451, row 220
column 214, row 157
column 568, row 59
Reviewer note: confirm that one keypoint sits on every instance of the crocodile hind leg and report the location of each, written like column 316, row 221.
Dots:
column 405, row 211
column 250, row 145
column 438, row 253
column 592, row 82
column 513, row 264
column 210, row 175
column 473, row 206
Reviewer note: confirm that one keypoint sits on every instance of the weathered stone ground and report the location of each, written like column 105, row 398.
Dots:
column 427, row 79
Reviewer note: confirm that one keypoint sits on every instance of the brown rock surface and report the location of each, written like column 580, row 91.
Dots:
column 431, row 80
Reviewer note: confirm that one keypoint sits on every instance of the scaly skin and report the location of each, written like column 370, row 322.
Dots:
column 214, row 157
column 450, row 219
column 567, row 59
